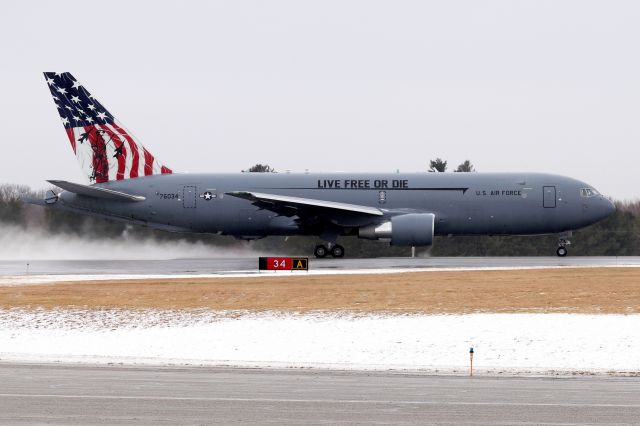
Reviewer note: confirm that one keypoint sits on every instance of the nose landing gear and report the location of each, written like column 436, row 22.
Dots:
column 563, row 242
column 562, row 251
column 336, row 250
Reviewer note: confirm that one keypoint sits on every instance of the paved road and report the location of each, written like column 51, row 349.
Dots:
column 59, row 394
column 250, row 264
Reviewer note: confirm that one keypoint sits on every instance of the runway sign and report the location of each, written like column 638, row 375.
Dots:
column 283, row 263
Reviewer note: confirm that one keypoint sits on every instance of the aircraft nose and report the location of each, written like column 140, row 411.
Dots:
column 604, row 208
column 610, row 208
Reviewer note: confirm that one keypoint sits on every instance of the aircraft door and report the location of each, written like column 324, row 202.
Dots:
column 549, row 197
column 189, row 197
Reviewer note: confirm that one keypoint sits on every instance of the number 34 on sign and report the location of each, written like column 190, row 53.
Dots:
column 283, row 263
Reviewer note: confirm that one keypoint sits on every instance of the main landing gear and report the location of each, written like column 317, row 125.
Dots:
column 335, row 250
column 563, row 242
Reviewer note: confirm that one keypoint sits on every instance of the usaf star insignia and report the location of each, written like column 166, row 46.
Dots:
column 208, row 196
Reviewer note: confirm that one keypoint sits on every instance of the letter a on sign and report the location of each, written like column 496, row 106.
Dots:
column 300, row 263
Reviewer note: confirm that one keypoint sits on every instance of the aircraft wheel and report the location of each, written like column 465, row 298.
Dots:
column 561, row 252
column 320, row 251
column 337, row 251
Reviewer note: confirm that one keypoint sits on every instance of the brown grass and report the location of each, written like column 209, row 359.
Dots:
column 590, row 290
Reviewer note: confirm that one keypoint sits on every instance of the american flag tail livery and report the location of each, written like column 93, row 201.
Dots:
column 105, row 150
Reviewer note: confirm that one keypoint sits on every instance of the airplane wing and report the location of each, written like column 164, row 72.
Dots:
column 290, row 206
column 95, row 191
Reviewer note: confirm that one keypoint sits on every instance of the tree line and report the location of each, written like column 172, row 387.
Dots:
column 618, row 235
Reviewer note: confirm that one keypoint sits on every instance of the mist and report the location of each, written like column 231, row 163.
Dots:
column 17, row 243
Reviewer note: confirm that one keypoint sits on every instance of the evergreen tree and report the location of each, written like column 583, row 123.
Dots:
column 465, row 167
column 261, row 168
column 437, row 165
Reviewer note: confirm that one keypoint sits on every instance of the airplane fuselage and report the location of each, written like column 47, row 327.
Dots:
column 463, row 203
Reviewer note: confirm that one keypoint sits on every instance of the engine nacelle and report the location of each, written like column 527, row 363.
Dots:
column 412, row 229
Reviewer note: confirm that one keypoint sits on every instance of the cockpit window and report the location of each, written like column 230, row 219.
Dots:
column 588, row 192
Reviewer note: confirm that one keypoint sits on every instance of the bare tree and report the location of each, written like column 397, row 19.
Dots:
column 12, row 192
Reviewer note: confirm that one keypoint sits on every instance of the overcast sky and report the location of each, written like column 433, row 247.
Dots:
column 334, row 86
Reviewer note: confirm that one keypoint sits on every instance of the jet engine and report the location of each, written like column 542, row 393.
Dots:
column 412, row 229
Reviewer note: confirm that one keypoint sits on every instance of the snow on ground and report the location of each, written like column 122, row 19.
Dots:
column 512, row 343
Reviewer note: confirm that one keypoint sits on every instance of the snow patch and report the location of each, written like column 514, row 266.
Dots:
column 513, row 343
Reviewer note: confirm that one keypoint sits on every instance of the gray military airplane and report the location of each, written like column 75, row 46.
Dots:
column 128, row 183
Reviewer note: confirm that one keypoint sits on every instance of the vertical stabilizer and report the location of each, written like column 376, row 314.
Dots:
column 105, row 150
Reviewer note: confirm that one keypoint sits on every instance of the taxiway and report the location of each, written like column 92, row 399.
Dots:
column 70, row 394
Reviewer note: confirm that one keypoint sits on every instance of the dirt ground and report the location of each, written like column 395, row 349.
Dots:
column 588, row 290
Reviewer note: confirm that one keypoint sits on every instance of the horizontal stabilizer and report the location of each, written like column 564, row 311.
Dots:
column 298, row 202
column 95, row 191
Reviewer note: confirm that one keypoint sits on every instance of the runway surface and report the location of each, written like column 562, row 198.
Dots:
column 222, row 266
column 63, row 394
